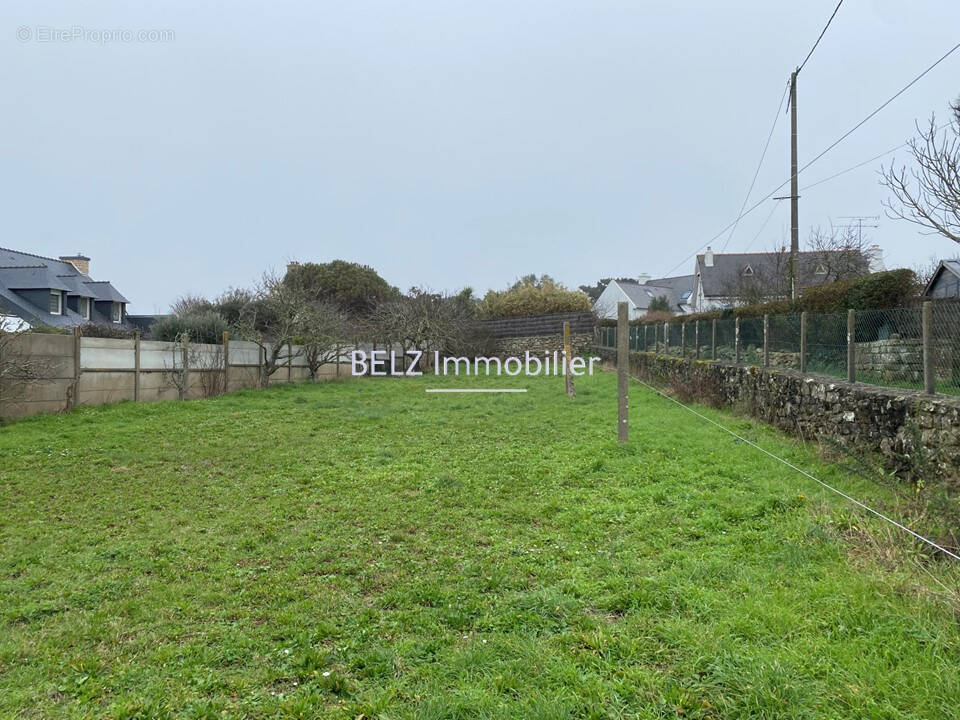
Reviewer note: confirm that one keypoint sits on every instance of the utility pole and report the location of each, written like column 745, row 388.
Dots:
column 794, row 197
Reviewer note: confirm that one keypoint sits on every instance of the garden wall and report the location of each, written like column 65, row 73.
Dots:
column 97, row 371
column 514, row 336
column 913, row 432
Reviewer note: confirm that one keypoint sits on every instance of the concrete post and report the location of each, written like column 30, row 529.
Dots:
column 851, row 347
column 289, row 362
column 696, row 339
column 185, row 378
column 803, row 341
column 225, row 341
column 645, row 328
column 73, row 397
column 683, row 339
column 623, row 379
column 666, row 338
column 766, row 340
column 929, row 373
column 136, row 365
column 338, row 360
column 736, row 341
column 713, row 341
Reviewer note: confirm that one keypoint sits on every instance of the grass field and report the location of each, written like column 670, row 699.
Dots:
column 365, row 550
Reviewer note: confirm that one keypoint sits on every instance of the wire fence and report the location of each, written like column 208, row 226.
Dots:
column 915, row 347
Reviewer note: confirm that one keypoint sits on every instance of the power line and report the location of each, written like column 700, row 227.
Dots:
column 865, row 162
column 759, row 165
column 803, row 472
column 762, row 227
column 828, row 149
column 822, row 33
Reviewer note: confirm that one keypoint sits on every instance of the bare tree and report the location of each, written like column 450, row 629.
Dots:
column 839, row 253
column 928, row 194
column 324, row 328
column 18, row 370
column 274, row 316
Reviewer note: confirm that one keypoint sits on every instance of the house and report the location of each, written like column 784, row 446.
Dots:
column 945, row 282
column 60, row 293
column 725, row 279
column 638, row 295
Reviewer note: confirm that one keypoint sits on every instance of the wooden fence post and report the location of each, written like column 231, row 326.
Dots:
column 696, row 339
column 289, row 362
column 623, row 380
column 736, row 341
column 803, row 341
column 225, row 341
column 713, row 341
column 929, row 373
column 338, row 360
column 766, row 340
column 645, row 328
column 568, row 352
column 683, row 339
column 851, row 347
column 666, row 338
column 136, row 365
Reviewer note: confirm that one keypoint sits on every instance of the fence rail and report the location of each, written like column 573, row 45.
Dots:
column 914, row 347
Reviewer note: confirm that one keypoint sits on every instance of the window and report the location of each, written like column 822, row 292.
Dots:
column 83, row 306
column 117, row 312
column 56, row 303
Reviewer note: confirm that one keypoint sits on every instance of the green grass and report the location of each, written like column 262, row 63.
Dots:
column 363, row 549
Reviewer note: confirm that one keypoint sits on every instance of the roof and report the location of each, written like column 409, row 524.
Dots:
column 946, row 266
column 677, row 290
column 21, row 271
column 728, row 268
column 103, row 290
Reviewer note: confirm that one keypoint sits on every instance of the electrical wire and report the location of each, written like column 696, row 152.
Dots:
column 822, row 33
column 762, row 227
column 759, row 165
column 807, row 165
column 800, row 470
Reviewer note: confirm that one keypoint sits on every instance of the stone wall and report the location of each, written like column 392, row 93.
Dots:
column 582, row 344
column 915, row 434
column 895, row 357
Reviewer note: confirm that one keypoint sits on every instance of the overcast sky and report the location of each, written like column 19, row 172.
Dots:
column 444, row 143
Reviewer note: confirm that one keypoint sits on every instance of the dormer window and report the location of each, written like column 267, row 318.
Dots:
column 820, row 270
column 83, row 307
column 56, row 302
column 116, row 311
column 748, row 271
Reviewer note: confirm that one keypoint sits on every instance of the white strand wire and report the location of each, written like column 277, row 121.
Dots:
column 790, row 465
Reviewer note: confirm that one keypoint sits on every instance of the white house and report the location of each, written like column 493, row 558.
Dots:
column 638, row 295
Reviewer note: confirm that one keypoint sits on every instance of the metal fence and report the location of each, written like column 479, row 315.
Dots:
column 915, row 347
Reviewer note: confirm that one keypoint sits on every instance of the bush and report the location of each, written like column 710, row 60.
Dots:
column 878, row 291
column 531, row 297
column 105, row 331
column 202, row 327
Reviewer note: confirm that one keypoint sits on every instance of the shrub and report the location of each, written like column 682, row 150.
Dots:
column 878, row 291
column 530, row 297
column 202, row 327
column 105, row 331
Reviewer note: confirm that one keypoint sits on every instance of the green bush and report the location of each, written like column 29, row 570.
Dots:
column 530, row 297
column 105, row 331
column 878, row 291
column 202, row 327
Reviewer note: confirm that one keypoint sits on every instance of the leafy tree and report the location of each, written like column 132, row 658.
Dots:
column 355, row 289
column 661, row 303
column 595, row 291
column 530, row 296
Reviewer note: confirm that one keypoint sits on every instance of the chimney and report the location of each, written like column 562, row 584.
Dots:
column 874, row 255
column 708, row 257
column 80, row 261
column 292, row 265
column 643, row 278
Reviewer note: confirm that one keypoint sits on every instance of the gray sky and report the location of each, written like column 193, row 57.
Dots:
column 444, row 143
